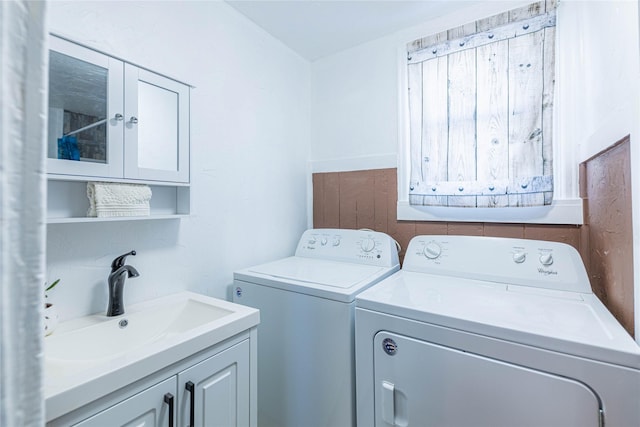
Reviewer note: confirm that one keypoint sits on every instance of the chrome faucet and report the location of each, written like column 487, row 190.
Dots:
column 119, row 272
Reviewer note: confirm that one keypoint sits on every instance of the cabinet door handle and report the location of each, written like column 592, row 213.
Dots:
column 119, row 117
column 192, row 402
column 133, row 120
column 168, row 399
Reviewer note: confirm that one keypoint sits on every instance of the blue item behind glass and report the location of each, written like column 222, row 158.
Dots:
column 68, row 148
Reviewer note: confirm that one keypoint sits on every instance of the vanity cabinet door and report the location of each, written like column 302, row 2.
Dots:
column 156, row 127
column 85, row 129
column 150, row 408
column 215, row 392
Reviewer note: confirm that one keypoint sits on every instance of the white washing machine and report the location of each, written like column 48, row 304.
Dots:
column 306, row 374
column 477, row 331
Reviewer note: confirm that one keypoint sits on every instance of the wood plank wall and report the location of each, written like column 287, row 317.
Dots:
column 367, row 199
column 606, row 188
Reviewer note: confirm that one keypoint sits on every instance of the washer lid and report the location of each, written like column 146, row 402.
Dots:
column 329, row 279
column 567, row 322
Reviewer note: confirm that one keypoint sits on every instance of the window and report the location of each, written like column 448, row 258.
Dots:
column 479, row 113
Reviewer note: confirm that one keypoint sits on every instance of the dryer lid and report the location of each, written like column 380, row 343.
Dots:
column 567, row 322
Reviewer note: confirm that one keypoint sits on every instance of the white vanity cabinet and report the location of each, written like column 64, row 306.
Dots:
column 112, row 119
column 215, row 391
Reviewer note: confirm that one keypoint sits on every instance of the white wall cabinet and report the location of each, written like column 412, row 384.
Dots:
column 110, row 120
column 136, row 122
column 213, row 392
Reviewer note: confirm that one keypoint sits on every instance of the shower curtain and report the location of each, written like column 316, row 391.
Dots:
column 23, row 96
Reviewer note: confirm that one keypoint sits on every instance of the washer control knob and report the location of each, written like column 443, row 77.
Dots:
column 546, row 258
column 323, row 241
column 336, row 241
column 519, row 257
column 312, row 240
column 368, row 244
column 432, row 250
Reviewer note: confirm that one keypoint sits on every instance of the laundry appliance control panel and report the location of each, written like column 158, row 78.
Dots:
column 536, row 263
column 356, row 246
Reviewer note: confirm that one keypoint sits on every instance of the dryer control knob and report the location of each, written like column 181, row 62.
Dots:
column 519, row 257
column 336, row 241
column 323, row 241
column 432, row 250
column 367, row 245
column 546, row 259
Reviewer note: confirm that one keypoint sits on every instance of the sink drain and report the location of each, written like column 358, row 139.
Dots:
column 123, row 323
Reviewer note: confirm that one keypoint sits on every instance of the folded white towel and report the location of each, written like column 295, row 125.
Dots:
column 109, row 199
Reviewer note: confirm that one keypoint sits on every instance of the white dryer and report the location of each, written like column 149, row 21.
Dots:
column 478, row 331
column 306, row 349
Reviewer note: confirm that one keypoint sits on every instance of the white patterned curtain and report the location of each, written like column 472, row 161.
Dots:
column 481, row 111
column 23, row 84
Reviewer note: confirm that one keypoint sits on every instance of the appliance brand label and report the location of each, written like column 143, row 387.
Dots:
column 546, row 272
column 389, row 346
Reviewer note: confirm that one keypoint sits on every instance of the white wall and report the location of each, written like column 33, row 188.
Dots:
column 250, row 127
column 354, row 103
column 599, row 73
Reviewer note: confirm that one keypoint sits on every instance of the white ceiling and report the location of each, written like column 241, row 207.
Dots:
column 317, row 28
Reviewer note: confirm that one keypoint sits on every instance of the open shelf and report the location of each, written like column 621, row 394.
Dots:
column 67, row 202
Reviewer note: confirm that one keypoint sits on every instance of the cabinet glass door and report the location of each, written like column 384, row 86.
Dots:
column 156, row 127
column 85, row 111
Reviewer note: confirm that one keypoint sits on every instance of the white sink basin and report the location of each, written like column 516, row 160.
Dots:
column 86, row 358
column 118, row 335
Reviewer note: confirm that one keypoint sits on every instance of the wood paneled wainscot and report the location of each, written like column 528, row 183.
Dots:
column 368, row 199
column 606, row 188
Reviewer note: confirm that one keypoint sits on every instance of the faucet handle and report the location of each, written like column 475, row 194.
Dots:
column 119, row 261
